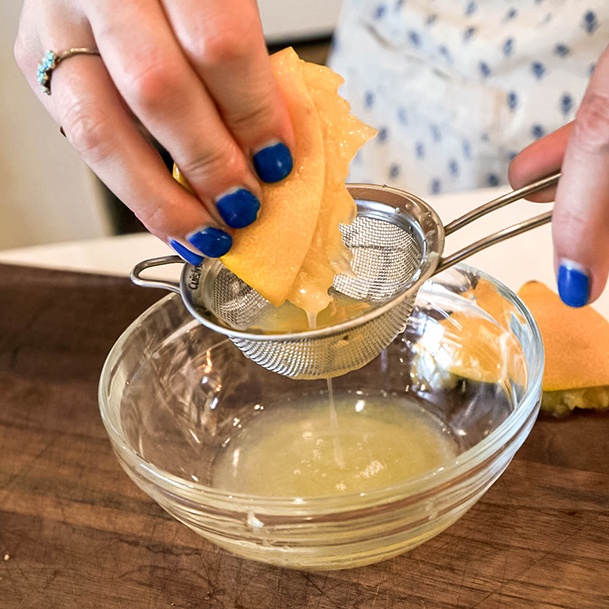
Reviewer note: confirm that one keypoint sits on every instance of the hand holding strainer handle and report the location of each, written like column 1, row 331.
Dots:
column 397, row 242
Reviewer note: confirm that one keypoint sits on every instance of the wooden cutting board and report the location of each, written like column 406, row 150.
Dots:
column 75, row 532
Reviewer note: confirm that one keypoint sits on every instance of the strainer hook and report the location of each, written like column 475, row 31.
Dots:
column 140, row 267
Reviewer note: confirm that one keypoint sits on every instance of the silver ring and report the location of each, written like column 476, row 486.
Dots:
column 51, row 60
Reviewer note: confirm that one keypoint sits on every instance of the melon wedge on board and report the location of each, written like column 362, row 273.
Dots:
column 576, row 345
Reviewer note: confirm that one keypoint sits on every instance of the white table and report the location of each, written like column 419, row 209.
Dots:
column 528, row 256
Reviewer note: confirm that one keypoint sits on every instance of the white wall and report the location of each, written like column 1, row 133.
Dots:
column 46, row 193
column 288, row 20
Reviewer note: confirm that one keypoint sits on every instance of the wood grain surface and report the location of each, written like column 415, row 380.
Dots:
column 75, row 532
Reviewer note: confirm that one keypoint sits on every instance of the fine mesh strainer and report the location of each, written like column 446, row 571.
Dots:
column 397, row 241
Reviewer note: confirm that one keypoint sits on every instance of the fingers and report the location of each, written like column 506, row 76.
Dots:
column 100, row 126
column 165, row 91
column 101, row 129
column 228, row 52
column 580, row 225
column 212, row 103
column 539, row 160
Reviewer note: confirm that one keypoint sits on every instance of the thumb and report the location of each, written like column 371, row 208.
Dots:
column 580, row 223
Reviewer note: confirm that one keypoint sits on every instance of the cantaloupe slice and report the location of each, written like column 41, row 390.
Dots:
column 294, row 249
column 576, row 344
column 269, row 254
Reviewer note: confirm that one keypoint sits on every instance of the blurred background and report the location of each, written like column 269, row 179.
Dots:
column 47, row 195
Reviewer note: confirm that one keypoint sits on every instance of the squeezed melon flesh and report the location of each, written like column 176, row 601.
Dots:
column 343, row 134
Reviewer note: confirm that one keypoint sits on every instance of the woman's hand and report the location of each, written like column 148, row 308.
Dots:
column 580, row 222
column 196, row 75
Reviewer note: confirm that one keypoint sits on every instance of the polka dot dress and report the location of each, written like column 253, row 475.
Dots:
column 457, row 87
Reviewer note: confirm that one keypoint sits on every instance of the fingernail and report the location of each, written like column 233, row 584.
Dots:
column 273, row 162
column 238, row 207
column 573, row 284
column 211, row 242
column 185, row 253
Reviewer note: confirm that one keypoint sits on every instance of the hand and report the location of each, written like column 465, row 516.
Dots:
column 580, row 222
column 197, row 76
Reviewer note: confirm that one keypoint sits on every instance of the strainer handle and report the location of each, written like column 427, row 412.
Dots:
column 500, row 202
column 140, row 267
column 502, row 235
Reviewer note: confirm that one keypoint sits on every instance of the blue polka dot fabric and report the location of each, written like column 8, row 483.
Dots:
column 457, row 87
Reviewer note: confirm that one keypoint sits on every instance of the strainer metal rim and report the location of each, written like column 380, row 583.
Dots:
column 316, row 333
column 403, row 203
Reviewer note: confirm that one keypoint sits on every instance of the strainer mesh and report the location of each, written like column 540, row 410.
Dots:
column 234, row 302
column 330, row 355
column 386, row 258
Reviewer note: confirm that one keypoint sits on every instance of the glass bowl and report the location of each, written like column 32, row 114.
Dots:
column 186, row 412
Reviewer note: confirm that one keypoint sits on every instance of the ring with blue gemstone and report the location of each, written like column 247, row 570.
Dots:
column 51, row 60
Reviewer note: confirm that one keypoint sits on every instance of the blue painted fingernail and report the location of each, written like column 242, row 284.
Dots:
column 273, row 162
column 185, row 253
column 238, row 208
column 211, row 242
column 573, row 284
